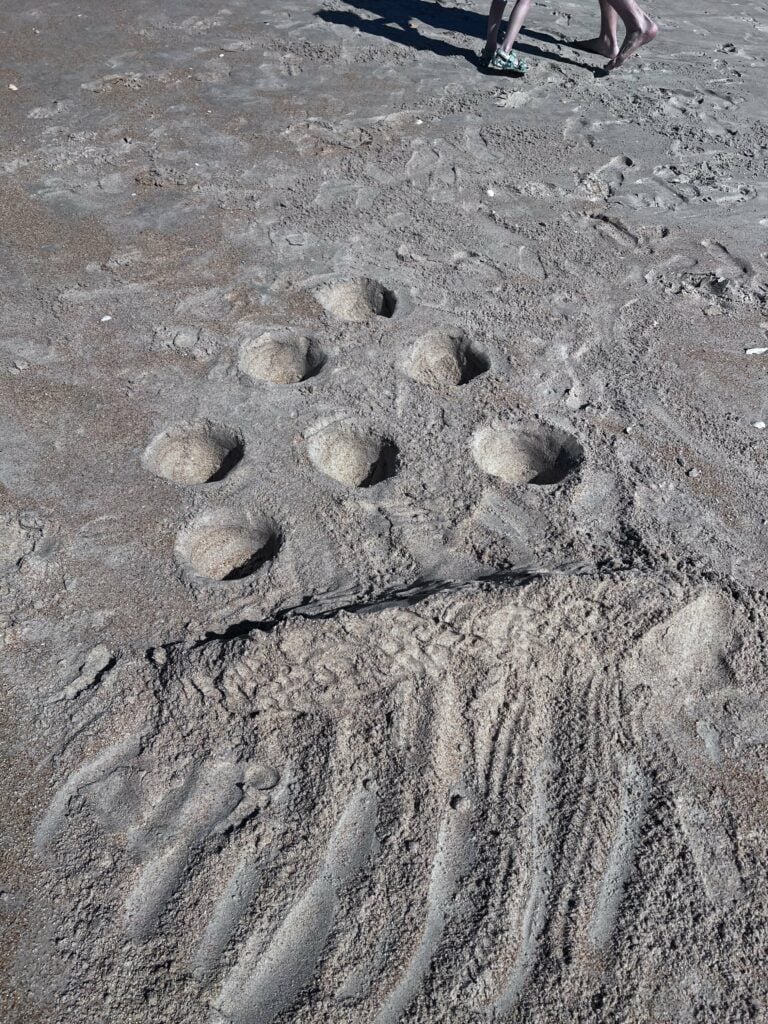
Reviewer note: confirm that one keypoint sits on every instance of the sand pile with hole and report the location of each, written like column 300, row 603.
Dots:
column 382, row 517
column 279, row 357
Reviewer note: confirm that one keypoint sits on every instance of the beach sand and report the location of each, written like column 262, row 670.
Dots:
column 383, row 516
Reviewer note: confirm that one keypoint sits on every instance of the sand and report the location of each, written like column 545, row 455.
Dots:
column 382, row 516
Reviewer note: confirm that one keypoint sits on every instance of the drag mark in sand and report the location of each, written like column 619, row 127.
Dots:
column 259, row 988
column 530, row 874
column 169, row 835
column 712, row 848
column 453, row 856
column 535, row 913
column 634, row 800
column 89, row 774
column 237, row 896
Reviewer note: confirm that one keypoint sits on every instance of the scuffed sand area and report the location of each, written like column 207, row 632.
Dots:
column 383, row 517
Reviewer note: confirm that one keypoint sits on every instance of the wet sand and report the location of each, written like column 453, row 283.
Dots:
column 382, row 516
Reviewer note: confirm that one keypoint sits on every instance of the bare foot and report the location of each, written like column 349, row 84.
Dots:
column 634, row 39
column 602, row 45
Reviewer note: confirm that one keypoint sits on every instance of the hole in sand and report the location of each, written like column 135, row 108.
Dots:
column 526, row 455
column 475, row 364
column 356, row 300
column 194, row 453
column 280, row 357
column 351, row 454
column 444, row 358
column 226, row 545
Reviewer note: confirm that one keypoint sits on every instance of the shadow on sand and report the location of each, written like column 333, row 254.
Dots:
column 393, row 19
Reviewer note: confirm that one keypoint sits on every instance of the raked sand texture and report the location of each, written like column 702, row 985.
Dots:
column 383, row 517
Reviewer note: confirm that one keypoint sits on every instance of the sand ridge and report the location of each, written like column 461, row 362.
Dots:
column 484, row 804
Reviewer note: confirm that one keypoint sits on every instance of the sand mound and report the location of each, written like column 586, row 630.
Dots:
column 533, row 454
column 357, row 300
column 194, row 453
column 438, row 360
column 279, row 357
column 225, row 545
column 350, row 453
column 444, row 358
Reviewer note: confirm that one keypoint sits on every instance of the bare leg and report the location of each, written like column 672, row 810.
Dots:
column 607, row 43
column 515, row 24
column 640, row 30
column 494, row 24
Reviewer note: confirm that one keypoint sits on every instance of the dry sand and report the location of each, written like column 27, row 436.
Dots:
column 383, row 516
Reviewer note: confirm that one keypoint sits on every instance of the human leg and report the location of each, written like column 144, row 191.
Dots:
column 515, row 24
column 494, row 24
column 607, row 43
column 502, row 58
column 640, row 30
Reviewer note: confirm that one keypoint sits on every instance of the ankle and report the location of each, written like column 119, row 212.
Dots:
column 643, row 24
